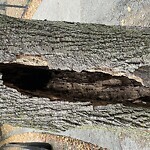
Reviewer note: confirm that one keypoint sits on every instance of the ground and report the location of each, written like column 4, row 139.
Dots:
column 22, row 12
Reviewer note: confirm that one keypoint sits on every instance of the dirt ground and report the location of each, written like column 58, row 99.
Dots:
column 32, row 9
column 22, row 12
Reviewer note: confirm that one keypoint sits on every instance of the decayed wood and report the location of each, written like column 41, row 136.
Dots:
column 96, row 87
column 76, row 47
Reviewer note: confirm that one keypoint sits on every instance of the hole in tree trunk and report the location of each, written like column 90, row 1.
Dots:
column 97, row 87
column 26, row 77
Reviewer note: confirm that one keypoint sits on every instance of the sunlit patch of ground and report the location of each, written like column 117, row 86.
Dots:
column 25, row 13
column 34, row 4
column 15, row 12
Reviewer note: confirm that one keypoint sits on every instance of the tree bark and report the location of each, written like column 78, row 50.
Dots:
column 68, row 60
column 76, row 46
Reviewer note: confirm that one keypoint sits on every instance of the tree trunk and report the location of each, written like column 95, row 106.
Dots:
column 57, row 75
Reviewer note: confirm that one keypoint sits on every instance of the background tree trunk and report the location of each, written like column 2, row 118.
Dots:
column 114, row 51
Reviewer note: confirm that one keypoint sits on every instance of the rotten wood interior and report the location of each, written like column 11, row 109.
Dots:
column 97, row 87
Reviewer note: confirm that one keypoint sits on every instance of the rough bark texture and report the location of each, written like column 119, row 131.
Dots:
column 75, row 46
column 115, row 57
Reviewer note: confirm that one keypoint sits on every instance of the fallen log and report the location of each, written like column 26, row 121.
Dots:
column 57, row 75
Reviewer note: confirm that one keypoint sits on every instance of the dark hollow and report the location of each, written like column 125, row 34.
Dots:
column 25, row 77
column 44, row 82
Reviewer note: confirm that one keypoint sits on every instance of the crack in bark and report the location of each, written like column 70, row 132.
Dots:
column 100, row 88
